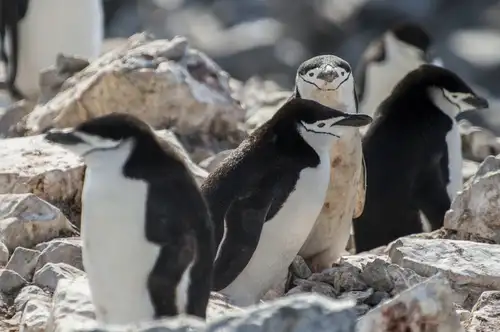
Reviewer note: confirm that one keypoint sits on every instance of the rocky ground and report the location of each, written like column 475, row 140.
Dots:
column 448, row 280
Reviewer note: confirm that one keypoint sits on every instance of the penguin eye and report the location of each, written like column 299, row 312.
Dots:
column 311, row 74
column 321, row 124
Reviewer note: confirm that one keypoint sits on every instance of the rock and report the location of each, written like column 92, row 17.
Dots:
column 10, row 281
column 4, row 254
column 179, row 324
column 477, row 143
column 485, row 315
column 299, row 268
column 377, row 297
column 211, row 163
column 219, row 306
column 471, row 267
column 343, row 278
column 163, row 82
column 68, row 251
column 11, row 115
column 51, row 273
column 324, row 289
column 425, row 307
column 35, row 315
column 359, row 296
column 27, row 293
column 71, row 305
column 462, row 313
column 469, row 168
column 376, row 275
column 23, row 261
column 476, row 209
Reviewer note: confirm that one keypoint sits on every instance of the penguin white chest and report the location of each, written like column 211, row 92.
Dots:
column 454, row 147
column 116, row 255
column 282, row 236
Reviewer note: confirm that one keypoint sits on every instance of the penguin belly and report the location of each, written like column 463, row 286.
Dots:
column 282, row 237
column 454, row 149
column 116, row 255
column 56, row 26
column 330, row 235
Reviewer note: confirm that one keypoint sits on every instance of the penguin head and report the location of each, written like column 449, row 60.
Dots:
column 317, row 124
column 327, row 79
column 445, row 89
column 407, row 41
column 103, row 140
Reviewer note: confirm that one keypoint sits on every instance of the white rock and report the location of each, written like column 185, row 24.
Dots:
column 485, row 315
column 477, row 142
column 27, row 293
column 31, row 165
column 10, row 281
column 476, row 210
column 51, row 273
column 26, row 219
column 427, row 306
column 211, row 163
column 68, row 251
column 23, row 261
column 161, row 81
column 471, row 267
column 4, row 254
column 35, row 315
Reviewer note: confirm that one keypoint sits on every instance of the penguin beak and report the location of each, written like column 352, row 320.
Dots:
column 328, row 74
column 354, row 120
column 477, row 102
column 62, row 137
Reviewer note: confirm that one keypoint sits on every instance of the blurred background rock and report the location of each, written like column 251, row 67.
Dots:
column 270, row 38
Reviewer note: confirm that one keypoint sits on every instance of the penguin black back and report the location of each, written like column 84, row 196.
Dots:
column 405, row 149
column 11, row 12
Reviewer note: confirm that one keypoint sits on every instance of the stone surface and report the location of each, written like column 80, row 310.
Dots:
column 471, row 267
column 476, row 210
column 424, row 307
column 51, row 273
column 485, row 315
column 299, row 268
column 23, row 261
column 10, row 281
column 28, row 293
column 211, row 163
column 166, row 83
column 11, row 115
column 4, row 254
column 477, row 143
column 68, row 251
column 35, row 315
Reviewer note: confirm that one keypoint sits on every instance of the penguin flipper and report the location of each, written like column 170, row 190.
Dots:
column 431, row 196
column 244, row 219
column 361, row 190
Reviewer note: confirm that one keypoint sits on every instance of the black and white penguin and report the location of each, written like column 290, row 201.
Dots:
column 267, row 194
column 387, row 60
column 410, row 157
column 147, row 234
column 33, row 32
column 328, row 79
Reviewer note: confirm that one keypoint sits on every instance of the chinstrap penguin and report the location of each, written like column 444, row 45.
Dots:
column 33, row 32
column 387, row 60
column 410, row 157
column 147, row 234
column 328, row 79
column 267, row 194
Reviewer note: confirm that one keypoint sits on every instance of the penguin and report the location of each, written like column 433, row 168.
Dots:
column 409, row 160
column 32, row 33
column 401, row 49
column 267, row 194
column 328, row 79
column 147, row 233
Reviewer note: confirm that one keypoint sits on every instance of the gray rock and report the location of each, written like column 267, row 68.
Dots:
column 377, row 297
column 68, row 251
column 485, row 315
column 26, row 219
column 324, row 289
column 425, row 307
column 4, row 254
column 358, row 296
column 299, row 268
column 51, row 273
column 23, row 261
column 362, row 309
column 471, row 267
column 27, row 293
column 477, row 143
column 476, row 209
column 375, row 275
column 11, row 115
column 10, row 281
column 35, row 316
column 211, row 163
column 343, row 278
column 179, row 324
